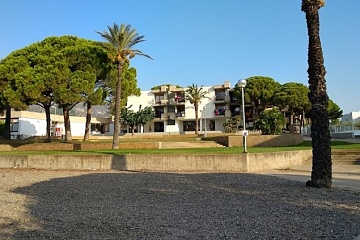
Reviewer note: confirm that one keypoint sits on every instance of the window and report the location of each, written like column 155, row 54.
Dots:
column 171, row 109
column 14, row 125
column 189, row 125
column 159, row 126
column 219, row 96
column 159, row 111
column 158, row 98
column 220, row 110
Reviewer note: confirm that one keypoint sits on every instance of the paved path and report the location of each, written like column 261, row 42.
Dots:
column 37, row 204
column 344, row 176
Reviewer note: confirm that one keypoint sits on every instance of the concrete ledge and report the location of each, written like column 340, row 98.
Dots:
column 171, row 163
column 257, row 140
column 342, row 135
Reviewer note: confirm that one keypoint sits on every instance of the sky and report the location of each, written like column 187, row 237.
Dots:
column 205, row 42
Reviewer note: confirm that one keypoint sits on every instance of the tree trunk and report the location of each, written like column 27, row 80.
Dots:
column 301, row 122
column 196, row 119
column 48, row 123
column 88, row 121
column 68, row 136
column 321, row 175
column 7, row 134
column 115, row 144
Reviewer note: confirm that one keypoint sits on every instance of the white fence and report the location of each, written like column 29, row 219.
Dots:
column 336, row 131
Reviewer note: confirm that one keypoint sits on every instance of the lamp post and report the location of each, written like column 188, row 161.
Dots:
column 242, row 84
column 205, row 121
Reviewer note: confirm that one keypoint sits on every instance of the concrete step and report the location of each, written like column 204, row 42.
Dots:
column 345, row 152
column 346, row 162
column 343, row 157
column 200, row 144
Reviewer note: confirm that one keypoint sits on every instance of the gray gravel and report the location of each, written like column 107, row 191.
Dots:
column 122, row 205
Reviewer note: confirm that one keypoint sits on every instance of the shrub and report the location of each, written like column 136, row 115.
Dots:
column 270, row 122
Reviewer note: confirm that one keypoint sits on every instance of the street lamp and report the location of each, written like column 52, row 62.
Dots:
column 242, row 83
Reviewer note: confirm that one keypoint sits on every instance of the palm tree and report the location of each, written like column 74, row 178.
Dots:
column 121, row 40
column 321, row 175
column 195, row 94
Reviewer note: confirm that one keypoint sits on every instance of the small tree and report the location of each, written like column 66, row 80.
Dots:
column 334, row 111
column 145, row 115
column 231, row 125
column 134, row 119
column 128, row 117
column 270, row 122
column 195, row 94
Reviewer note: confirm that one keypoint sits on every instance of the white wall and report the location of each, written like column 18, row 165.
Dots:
column 32, row 127
column 172, row 128
column 77, row 129
column 145, row 99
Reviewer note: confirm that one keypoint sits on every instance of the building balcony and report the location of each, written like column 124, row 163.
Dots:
column 222, row 99
column 180, row 115
column 222, row 113
column 177, row 101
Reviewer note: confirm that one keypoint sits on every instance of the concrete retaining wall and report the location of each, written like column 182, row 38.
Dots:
column 171, row 163
column 264, row 140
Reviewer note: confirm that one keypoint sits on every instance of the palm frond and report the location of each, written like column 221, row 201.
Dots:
column 120, row 41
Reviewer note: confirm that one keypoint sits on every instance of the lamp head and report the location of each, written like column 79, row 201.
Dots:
column 241, row 83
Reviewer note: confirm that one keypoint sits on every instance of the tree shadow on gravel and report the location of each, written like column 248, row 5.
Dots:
column 123, row 205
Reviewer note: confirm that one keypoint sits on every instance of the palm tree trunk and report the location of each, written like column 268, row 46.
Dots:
column 321, row 175
column 88, row 121
column 115, row 144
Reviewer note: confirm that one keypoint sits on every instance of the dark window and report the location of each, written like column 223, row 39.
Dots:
column 219, row 96
column 14, row 125
column 189, row 125
column 158, row 98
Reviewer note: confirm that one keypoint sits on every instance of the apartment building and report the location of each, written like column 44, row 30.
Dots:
column 175, row 115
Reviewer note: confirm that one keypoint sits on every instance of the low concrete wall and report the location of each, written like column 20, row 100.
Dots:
column 261, row 140
column 277, row 160
column 171, row 163
column 342, row 135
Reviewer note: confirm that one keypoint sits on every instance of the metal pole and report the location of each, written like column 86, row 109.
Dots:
column 244, row 127
column 205, row 121
column 201, row 124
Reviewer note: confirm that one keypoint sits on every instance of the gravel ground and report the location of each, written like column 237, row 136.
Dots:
column 38, row 204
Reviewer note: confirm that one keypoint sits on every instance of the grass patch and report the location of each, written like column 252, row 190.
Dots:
column 306, row 145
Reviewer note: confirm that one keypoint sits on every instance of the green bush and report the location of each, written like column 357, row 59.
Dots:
column 231, row 125
column 270, row 122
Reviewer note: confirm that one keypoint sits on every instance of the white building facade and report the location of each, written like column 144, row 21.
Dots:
column 173, row 114
column 26, row 124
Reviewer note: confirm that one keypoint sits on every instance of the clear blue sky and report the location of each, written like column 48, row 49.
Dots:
column 205, row 41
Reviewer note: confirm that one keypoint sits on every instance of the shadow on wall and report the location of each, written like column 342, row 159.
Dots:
column 28, row 129
column 193, row 206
